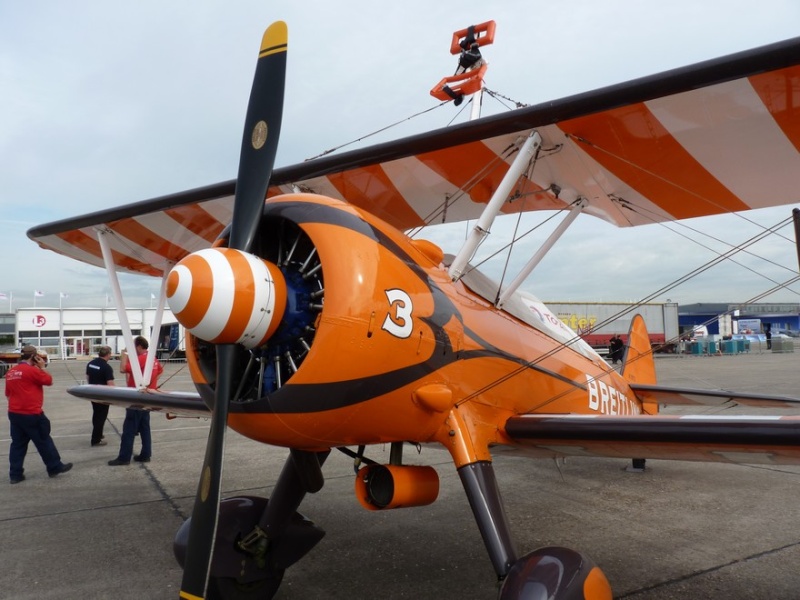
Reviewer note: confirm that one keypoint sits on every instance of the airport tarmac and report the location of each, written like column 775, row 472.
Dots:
column 678, row 530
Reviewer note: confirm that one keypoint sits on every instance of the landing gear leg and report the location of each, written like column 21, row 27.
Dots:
column 484, row 498
column 290, row 489
column 554, row 572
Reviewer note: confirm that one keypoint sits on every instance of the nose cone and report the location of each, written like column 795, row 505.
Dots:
column 227, row 296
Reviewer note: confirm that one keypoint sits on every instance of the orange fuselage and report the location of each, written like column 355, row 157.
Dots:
column 403, row 353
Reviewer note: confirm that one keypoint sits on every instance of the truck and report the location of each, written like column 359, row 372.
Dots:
column 172, row 341
column 597, row 322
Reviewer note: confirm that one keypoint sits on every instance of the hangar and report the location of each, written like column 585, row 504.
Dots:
column 778, row 317
column 76, row 332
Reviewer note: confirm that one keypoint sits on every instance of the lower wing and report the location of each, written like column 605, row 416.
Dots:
column 183, row 404
column 734, row 439
column 742, row 439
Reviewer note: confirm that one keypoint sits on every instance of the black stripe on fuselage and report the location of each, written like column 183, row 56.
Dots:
column 317, row 397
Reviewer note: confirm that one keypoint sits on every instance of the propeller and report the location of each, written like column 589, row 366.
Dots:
column 259, row 146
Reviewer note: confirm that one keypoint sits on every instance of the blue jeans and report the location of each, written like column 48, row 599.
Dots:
column 136, row 421
column 36, row 429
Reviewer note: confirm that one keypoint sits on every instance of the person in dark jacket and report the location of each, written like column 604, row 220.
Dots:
column 99, row 372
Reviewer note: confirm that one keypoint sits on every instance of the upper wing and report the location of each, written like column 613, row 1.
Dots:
column 715, row 137
column 184, row 404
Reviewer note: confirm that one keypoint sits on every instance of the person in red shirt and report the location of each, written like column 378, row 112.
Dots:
column 25, row 392
column 136, row 421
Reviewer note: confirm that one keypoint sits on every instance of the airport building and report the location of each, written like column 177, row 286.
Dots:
column 76, row 332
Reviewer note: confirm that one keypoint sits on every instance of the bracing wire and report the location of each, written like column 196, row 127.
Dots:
column 701, row 269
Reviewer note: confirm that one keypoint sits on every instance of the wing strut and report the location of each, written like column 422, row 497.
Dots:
column 139, row 378
column 576, row 209
column 796, row 221
column 484, row 224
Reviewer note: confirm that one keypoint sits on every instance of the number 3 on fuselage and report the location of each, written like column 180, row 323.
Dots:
column 398, row 320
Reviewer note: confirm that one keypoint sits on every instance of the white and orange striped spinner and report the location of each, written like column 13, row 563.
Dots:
column 227, row 296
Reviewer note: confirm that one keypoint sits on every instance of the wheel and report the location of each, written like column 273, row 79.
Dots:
column 556, row 573
column 227, row 588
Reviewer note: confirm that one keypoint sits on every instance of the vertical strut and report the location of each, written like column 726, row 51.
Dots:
column 796, row 219
column 484, row 224
column 116, row 291
column 480, row 484
column 150, row 361
column 540, row 254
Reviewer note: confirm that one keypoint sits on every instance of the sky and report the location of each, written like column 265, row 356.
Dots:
column 105, row 103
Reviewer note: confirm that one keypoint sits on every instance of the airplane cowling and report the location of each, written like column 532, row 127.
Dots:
column 555, row 573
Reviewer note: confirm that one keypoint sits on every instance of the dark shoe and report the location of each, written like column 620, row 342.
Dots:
column 117, row 462
column 14, row 480
column 140, row 458
column 100, row 443
column 64, row 468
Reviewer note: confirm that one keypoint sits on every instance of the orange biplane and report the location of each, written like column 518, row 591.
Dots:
column 320, row 319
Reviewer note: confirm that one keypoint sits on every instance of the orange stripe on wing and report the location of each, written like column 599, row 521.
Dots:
column 90, row 245
column 145, row 237
column 780, row 93
column 197, row 220
column 460, row 165
column 202, row 290
column 371, row 189
column 633, row 145
column 243, row 300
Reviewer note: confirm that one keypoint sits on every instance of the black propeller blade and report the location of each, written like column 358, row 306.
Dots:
column 259, row 146
column 262, row 128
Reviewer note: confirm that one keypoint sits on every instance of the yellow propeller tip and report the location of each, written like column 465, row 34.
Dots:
column 275, row 39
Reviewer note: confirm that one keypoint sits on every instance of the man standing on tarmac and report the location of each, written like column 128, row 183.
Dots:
column 99, row 372
column 136, row 421
column 24, row 389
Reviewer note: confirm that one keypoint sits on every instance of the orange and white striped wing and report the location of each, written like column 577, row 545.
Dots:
column 711, row 138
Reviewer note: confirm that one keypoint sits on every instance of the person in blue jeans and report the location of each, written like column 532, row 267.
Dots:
column 25, row 392
column 136, row 421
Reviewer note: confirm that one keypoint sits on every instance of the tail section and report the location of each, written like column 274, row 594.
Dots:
column 638, row 365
